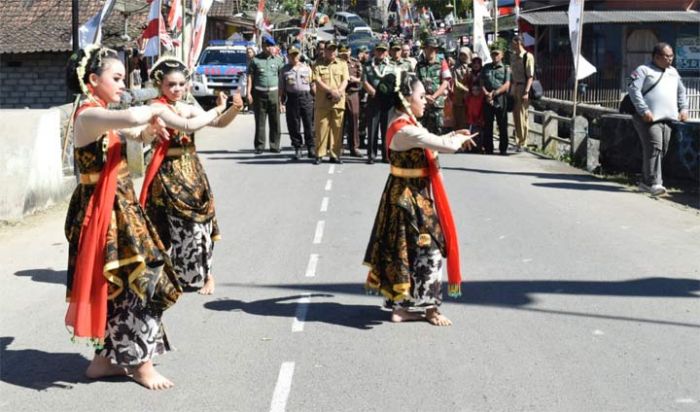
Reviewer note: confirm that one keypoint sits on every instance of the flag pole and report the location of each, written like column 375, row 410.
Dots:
column 495, row 21
column 577, row 59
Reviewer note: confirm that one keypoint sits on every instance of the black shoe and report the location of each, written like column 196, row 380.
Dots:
column 297, row 154
column 336, row 160
column 258, row 151
column 276, row 150
column 311, row 153
column 317, row 161
column 370, row 161
column 355, row 153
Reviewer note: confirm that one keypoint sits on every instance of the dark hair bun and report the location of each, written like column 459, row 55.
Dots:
column 95, row 64
column 386, row 90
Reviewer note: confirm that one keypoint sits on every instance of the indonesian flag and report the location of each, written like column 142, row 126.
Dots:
column 582, row 67
column 91, row 31
column 260, row 16
column 175, row 16
column 309, row 19
column 201, row 8
column 481, row 48
column 151, row 35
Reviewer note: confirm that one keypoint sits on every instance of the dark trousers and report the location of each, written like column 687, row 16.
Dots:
column 352, row 121
column 377, row 120
column 300, row 110
column 500, row 115
column 266, row 107
column 363, row 119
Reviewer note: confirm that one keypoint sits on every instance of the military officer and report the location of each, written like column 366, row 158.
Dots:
column 435, row 75
column 363, row 57
column 295, row 94
column 262, row 85
column 377, row 118
column 352, row 100
column 331, row 78
column 396, row 62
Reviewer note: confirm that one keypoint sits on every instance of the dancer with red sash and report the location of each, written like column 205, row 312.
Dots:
column 414, row 227
column 120, row 279
column 176, row 193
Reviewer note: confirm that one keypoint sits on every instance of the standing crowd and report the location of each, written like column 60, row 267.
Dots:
column 334, row 96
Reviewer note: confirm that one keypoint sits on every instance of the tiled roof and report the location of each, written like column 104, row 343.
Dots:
column 560, row 18
column 227, row 8
column 29, row 26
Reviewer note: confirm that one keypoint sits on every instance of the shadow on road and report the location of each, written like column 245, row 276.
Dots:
column 362, row 317
column 34, row 369
column 44, row 275
column 518, row 294
column 581, row 186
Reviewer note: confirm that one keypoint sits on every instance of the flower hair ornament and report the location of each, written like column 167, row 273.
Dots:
column 409, row 91
column 165, row 65
column 82, row 67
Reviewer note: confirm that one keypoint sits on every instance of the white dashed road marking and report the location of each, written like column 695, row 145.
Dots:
column 300, row 316
column 324, row 204
column 311, row 267
column 282, row 388
column 329, row 184
column 318, row 236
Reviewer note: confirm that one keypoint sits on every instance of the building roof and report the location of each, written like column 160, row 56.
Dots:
column 226, row 8
column 561, row 18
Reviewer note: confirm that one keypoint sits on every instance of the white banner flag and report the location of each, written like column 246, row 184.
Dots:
column 91, row 31
column 481, row 48
column 582, row 66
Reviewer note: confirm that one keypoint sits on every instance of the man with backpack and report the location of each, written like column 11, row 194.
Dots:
column 658, row 96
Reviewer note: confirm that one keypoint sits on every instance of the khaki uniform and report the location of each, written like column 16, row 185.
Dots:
column 328, row 116
column 522, row 67
column 461, row 73
column 352, row 106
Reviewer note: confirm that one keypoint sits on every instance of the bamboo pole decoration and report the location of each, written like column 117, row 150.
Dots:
column 577, row 58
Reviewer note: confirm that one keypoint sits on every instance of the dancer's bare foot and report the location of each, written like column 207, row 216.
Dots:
column 434, row 317
column 148, row 376
column 101, row 367
column 208, row 287
column 403, row 315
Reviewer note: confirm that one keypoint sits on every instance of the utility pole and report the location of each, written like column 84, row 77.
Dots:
column 75, row 23
column 495, row 21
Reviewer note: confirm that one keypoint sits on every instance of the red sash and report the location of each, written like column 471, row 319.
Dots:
column 159, row 154
column 87, row 308
column 444, row 211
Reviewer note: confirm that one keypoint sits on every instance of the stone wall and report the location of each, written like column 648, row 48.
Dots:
column 34, row 80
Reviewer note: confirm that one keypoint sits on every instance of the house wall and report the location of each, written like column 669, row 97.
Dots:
column 34, row 80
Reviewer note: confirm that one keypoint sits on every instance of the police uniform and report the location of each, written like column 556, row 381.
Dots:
column 432, row 74
column 377, row 118
column 352, row 103
column 328, row 115
column 295, row 90
column 263, row 71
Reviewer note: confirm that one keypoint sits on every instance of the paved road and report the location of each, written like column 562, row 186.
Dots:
column 580, row 295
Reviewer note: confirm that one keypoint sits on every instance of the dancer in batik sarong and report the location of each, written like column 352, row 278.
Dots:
column 176, row 193
column 120, row 279
column 413, row 228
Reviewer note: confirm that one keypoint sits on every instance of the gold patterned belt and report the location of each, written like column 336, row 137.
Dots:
column 408, row 173
column 93, row 178
column 180, row 151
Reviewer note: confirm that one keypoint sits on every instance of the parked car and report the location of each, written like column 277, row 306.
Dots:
column 346, row 23
column 361, row 38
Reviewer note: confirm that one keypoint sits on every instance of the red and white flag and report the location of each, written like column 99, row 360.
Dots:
column 151, row 34
column 175, row 16
column 260, row 16
column 201, row 8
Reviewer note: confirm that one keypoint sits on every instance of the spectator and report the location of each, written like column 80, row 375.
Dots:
column 295, row 94
column 460, row 73
column 363, row 57
column 352, row 100
column 658, row 96
column 138, row 69
column 407, row 55
column 522, row 74
column 376, row 115
column 475, row 116
column 495, row 82
column 262, row 87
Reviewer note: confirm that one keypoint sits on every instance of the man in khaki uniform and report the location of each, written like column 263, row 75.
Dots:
column 461, row 72
column 331, row 78
column 522, row 70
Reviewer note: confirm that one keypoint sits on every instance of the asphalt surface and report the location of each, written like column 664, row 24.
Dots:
column 579, row 295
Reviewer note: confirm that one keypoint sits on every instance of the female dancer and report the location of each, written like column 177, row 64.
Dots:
column 407, row 244
column 176, row 193
column 120, row 279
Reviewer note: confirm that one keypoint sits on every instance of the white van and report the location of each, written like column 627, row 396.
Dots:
column 346, row 23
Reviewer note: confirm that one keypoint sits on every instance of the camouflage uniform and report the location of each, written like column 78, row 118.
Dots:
column 432, row 74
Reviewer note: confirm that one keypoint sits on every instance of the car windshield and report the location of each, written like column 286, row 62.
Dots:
column 223, row 57
column 356, row 21
column 360, row 36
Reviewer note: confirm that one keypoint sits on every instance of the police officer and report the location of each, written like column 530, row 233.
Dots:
column 396, row 62
column 435, row 75
column 331, row 78
column 363, row 57
column 352, row 100
column 377, row 118
column 263, row 83
column 295, row 94
column 494, row 81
